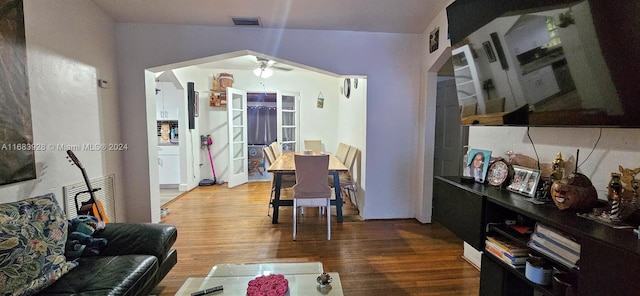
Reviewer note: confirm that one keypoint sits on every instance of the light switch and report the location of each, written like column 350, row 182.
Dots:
column 103, row 83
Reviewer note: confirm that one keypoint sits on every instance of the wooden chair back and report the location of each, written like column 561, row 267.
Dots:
column 343, row 150
column 276, row 148
column 313, row 145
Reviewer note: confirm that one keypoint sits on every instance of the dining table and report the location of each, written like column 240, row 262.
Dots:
column 285, row 165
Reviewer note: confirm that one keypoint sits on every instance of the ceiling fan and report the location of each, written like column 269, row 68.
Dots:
column 264, row 67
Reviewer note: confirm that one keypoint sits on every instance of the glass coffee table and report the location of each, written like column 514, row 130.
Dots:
column 234, row 279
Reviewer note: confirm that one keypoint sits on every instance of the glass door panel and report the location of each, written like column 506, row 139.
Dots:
column 237, row 123
column 288, row 120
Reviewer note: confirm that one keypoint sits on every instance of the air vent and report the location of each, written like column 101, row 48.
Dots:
column 246, row 21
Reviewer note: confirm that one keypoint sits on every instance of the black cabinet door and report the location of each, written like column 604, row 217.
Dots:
column 460, row 211
column 606, row 270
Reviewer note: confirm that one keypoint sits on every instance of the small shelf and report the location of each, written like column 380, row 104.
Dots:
column 217, row 99
column 467, row 77
column 510, row 233
column 513, row 235
column 461, row 68
column 519, row 273
column 467, row 97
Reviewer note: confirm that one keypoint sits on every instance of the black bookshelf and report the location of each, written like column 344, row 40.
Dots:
column 604, row 250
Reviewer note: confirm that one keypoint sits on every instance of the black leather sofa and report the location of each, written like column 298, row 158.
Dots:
column 137, row 257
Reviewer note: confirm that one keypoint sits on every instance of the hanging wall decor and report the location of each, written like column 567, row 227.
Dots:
column 434, row 37
column 196, row 105
column 488, row 49
column 320, row 102
column 17, row 160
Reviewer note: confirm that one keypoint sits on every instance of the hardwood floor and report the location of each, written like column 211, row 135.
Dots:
column 380, row 257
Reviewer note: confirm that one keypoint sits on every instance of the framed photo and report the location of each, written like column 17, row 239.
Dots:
column 477, row 164
column 498, row 173
column 434, row 38
column 196, row 105
column 524, row 181
column 488, row 49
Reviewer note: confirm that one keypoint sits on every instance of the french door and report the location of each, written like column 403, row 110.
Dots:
column 288, row 120
column 237, row 124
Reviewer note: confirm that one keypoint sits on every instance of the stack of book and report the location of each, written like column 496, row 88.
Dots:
column 555, row 245
column 512, row 253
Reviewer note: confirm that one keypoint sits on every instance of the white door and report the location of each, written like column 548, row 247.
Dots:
column 237, row 123
column 288, row 120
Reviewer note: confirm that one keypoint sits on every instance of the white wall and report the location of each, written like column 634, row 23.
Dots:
column 388, row 60
column 423, row 166
column 190, row 138
column 351, row 130
column 70, row 44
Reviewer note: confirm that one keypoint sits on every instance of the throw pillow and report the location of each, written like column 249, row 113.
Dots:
column 33, row 233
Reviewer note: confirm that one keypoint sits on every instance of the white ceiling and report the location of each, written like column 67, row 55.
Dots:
column 390, row 16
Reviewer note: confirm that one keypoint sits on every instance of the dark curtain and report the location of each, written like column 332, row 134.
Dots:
column 261, row 125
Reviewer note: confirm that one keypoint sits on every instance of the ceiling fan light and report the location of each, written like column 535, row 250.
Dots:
column 267, row 73
column 263, row 72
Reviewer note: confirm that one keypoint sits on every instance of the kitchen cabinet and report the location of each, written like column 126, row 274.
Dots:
column 540, row 84
column 528, row 33
column 169, row 165
column 604, row 250
column 168, row 99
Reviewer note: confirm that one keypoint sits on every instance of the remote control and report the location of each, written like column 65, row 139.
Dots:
column 207, row 291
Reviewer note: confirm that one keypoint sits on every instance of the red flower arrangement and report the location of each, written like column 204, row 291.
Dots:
column 268, row 285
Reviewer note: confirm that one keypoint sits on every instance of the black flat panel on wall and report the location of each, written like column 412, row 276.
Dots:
column 499, row 51
column 191, row 96
column 625, row 265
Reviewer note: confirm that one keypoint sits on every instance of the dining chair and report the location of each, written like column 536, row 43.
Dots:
column 276, row 148
column 256, row 159
column 494, row 105
column 287, row 180
column 342, row 151
column 312, row 188
column 348, row 186
column 313, row 145
column 468, row 109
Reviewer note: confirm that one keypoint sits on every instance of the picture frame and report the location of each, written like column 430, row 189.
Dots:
column 477, row 164
column 196, row 105
column 434, row 38
column 488, row 49
column 17, row 159
column 525, row 181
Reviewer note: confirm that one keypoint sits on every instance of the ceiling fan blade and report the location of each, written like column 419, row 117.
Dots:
column 281, row 68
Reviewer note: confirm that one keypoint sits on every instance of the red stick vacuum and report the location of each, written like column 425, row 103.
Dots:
column 208, row 182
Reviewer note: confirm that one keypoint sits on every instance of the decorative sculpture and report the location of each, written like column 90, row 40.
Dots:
column 627, row 177
column 557, row 168
column 613, row 194
column 575, row 192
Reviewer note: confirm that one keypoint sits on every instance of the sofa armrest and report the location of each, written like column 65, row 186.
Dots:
column 138, row 238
